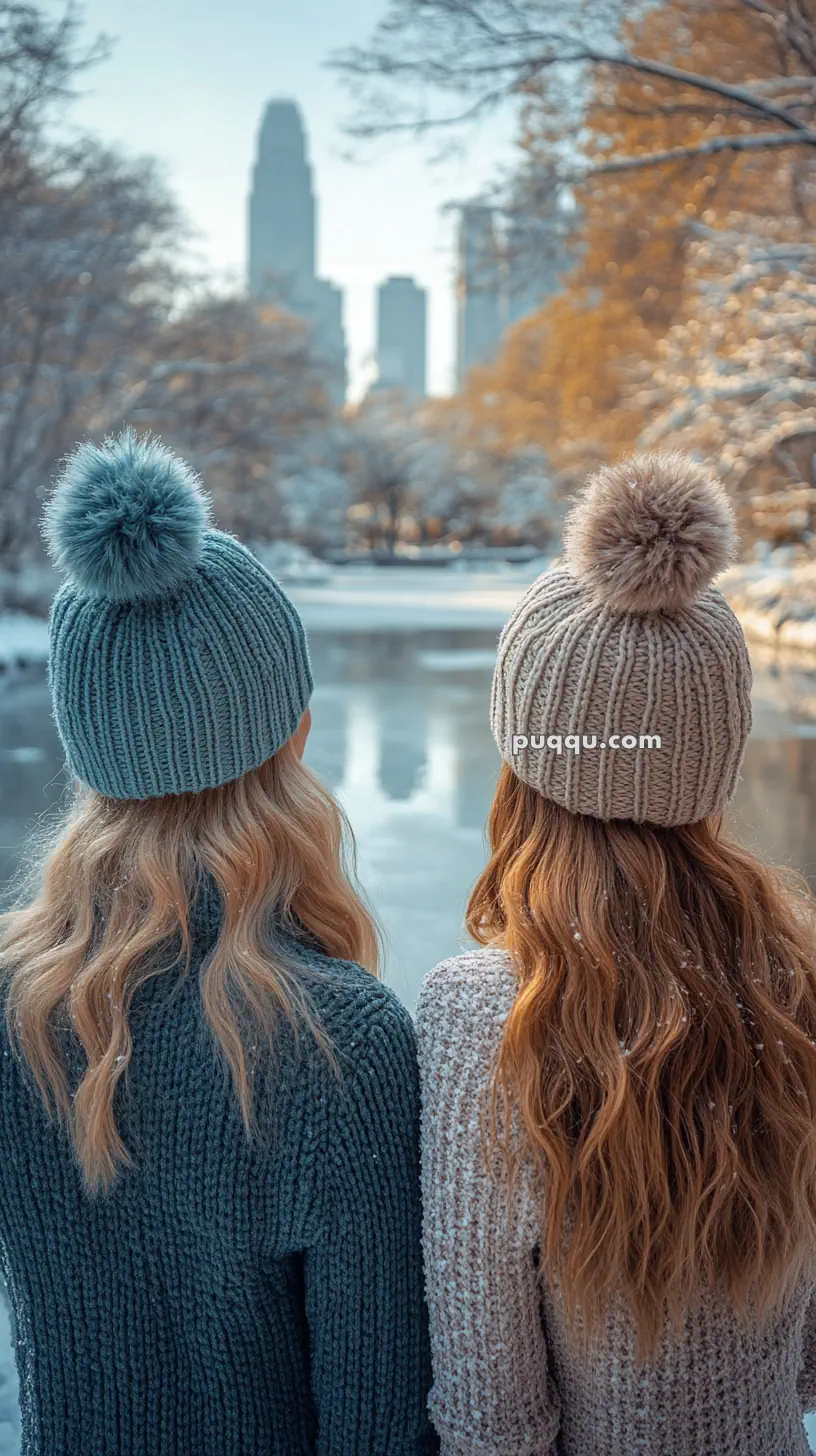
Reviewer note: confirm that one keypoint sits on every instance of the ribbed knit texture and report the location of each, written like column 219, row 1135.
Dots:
column 568, row 664
column 506, row 1383
column 183, row 693
column 226, row 1299
column 177, row 662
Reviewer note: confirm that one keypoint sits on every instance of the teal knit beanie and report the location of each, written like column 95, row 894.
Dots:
column 177, row 662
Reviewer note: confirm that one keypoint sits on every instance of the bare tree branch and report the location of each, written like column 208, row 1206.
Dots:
column 488, row 51
column 764, row 142
column 752, row 100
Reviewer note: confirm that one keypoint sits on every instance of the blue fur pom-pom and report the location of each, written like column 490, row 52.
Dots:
column 127, row 519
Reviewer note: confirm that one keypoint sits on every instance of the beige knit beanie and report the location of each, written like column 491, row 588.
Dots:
column 622, row 685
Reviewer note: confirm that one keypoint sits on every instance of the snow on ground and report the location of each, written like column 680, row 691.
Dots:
column 776, row 604
column 348, row 599
column 395, row 598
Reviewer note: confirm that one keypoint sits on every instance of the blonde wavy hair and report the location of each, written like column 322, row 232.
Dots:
column 658, row 1064
column 112, row 899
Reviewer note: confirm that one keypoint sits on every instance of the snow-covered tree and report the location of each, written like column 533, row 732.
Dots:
column 737, row 377
column 86, row 277
column 409, row 479
column 382, row 442
column 315, row 503
column 102, row 322
column 526, row 508
column 237, row 388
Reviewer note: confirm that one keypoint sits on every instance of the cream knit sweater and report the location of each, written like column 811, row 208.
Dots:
column 505, row 1382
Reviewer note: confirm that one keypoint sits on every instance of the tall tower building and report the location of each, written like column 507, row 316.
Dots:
column 282, row 208
column 402, row 311
column 479, row 311
column 282, row 234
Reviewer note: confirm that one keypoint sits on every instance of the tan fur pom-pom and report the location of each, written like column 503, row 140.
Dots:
column 650, row 534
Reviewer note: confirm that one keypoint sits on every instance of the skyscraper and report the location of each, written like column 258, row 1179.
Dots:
column 538, row 251
column 479, row 311
column 282, row 234
column 402, row 336
column 282, row 210
column 504, row 277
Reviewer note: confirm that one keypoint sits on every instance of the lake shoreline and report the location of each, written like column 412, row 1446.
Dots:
column 775, row 605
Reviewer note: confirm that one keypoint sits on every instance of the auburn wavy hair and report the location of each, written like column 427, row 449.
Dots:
column 658, row 1064
column 112, row 900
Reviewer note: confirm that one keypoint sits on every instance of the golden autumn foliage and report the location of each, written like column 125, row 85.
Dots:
column 561, row 379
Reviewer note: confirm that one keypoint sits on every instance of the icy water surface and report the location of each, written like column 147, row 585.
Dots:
column 401, row 733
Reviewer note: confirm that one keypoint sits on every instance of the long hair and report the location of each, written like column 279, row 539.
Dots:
column 113, row 895
column 658, row 1065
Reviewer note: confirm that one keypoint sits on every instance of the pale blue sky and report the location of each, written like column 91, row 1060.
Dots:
column 188, row 81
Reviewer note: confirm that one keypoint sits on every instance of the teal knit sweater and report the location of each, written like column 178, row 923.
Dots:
column 225, row 1297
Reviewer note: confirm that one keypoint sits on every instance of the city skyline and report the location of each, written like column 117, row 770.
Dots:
column 381, row 207
column 282, row 243
column 283, row 210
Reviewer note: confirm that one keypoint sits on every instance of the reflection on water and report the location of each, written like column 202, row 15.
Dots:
column 774, row 810
column 401, row 733
column 775, row 807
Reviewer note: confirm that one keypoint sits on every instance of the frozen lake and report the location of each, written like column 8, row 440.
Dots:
column 401, row 733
